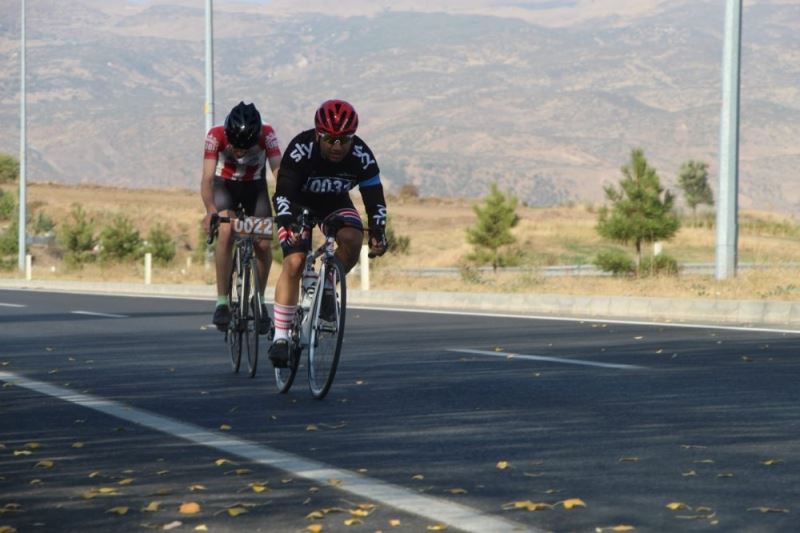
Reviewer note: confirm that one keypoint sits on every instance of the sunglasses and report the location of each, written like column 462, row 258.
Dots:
column 332, row 139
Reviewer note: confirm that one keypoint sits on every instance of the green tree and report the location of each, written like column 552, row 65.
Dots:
column 77, row 236
column 693, row 180
column 120, row 240
column 492, row 231
column 9, row 169
column 641, row 210
column 161, row 244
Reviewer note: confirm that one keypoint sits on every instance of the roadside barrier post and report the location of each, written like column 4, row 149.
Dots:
column 363, row 259
column 28, row 267
column 148, row 268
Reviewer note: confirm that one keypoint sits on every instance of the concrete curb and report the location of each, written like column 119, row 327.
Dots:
column 707, row 311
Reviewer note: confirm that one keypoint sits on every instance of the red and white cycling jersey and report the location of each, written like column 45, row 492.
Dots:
column 251, row 165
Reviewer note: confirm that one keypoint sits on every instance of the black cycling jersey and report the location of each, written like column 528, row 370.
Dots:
column 308, row 179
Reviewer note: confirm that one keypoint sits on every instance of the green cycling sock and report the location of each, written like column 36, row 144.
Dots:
column 222, row 300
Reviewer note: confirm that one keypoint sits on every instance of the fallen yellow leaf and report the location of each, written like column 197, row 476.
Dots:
column 360, row 512
column 225, row 427
column 771, row 462
column 220, row 462
column 335, row 482
column 126, row 481
column 457, row 491
column 118, row 510
column 201, row 527
column 418, row 477
column 677, row 506
column 315, row 515
column 314, row 528
column 259, row 487
column 502, row 465
column 353, row 522
column 33, row 445
column 572, row 503
column 241, row 472
column 236, row 510
column 7, row 529
column 437, row 527
column 151, row 507
column 22, row 452
column 311, row 427
column 189, row 508
column 527, row 504
column 47, row 464
column 621, row 527
column 394, row 522
column 77, row 445
column 107, row 490
column 196, row 488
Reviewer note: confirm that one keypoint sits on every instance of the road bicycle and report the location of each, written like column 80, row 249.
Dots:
column 323, row 277
column 244, row 296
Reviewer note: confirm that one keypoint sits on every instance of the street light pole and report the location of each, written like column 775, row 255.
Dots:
column 727, row 208
column 209, row 107
column 22, row 147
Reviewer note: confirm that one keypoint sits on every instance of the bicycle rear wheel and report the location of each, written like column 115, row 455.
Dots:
column 252, row 309
column 234, row 334
column 284, row 377
column 325, row 345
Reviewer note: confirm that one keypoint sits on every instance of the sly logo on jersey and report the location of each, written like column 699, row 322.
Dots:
column 300, row 151
column 366, row 159
column 324, row 185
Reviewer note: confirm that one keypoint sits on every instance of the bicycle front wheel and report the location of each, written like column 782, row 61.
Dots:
column 252, row 312
column 327, row 328
column 284, row 377
column 234, row 333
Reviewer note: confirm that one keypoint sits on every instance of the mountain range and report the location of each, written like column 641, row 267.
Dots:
column 545, row 97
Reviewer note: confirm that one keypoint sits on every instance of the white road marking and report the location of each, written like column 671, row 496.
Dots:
column 453, row 514
column 12, row 305
column 562, row 360
column 555, row 318
column 92, row 313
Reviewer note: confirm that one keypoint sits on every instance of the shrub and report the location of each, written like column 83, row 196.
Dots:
column 120, row 240
column 42, row 224
column 659, row 265
column 616, row 262
column 8, row 205
column 9, row 239
column 77, row 237
column 161, row 244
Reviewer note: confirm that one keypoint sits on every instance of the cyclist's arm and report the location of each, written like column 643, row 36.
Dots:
column 374, row 201
column 207, row 190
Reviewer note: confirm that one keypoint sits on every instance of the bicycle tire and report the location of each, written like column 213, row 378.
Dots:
column 234, row 333
column 252, row 309
column 325, row 345
column 284, row 377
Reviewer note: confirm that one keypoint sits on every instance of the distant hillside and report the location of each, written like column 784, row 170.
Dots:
column 548, row 104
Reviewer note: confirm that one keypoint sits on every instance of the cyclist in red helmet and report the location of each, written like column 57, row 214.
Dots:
column 318, row 170
column 234, row 173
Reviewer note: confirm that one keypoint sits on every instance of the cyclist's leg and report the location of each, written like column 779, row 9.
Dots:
column 223, row 200
column 286, row 296
column 350, row 237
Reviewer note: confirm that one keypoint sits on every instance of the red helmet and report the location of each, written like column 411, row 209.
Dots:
column 336, row 117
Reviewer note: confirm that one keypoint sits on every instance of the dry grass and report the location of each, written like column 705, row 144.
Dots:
column 436, row 227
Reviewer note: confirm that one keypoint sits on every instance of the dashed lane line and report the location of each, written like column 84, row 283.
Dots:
column 93, row 313
column 561, row 360
column 455, row 515
column 12, row 305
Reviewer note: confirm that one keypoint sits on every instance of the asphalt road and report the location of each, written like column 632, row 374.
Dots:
column 434, row 419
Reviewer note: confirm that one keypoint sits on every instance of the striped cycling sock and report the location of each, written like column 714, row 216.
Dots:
column 283, row 320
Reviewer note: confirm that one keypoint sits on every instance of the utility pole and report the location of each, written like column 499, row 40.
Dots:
column 727, row 207
column 209, row 107
column 23, row 148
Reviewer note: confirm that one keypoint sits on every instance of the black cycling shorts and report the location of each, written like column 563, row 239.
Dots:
column 252, row 195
